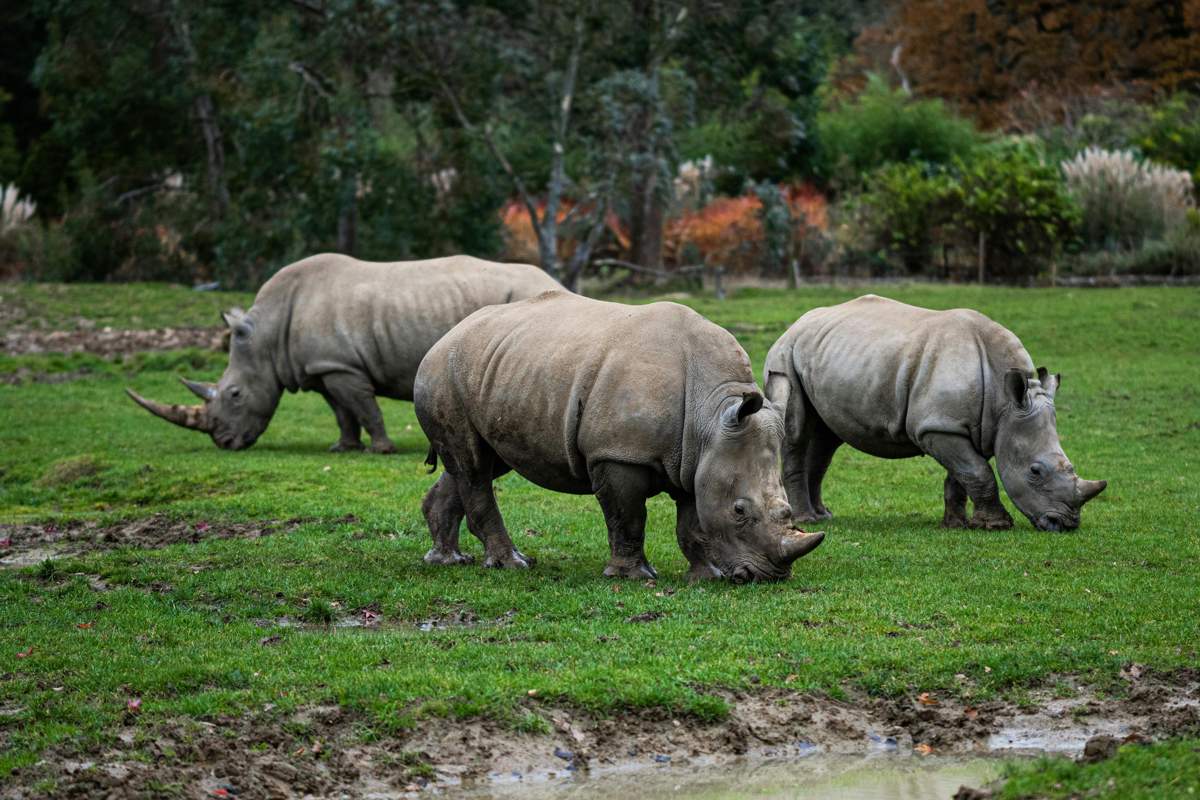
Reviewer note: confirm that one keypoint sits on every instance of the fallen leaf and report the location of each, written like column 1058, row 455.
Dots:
column 987, row 669
column 369, row 617
column 6, row 542
column 924, row 749
column 926, row 699
column 1133, row 672
column 267, row 641
column 616, row 587
column 133, row 705
column 25, row 653
column 532, row 693
column 970, row 713
column 83, row 625
column 201, row 527
column 791, row 678
column 646, row 616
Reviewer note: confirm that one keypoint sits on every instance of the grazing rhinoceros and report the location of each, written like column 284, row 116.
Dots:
column 624, row 402
column 348, row 329
column 894, row 380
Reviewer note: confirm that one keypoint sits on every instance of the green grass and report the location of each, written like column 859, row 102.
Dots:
column 1167, row 769
column 890, row 603
column 57, row 306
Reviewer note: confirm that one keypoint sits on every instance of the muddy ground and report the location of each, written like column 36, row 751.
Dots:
column 323, row 752
column 109, row 342
column 25, row 545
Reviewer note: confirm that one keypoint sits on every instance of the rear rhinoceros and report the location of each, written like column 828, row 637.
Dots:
column 350, row 330
column 894, row 380
column 624, row 402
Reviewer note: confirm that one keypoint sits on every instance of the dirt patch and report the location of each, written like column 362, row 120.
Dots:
column 24, row 545
column 109, row 342
column 326, row 751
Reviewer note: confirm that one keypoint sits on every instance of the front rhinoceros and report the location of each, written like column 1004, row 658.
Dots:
column 624, row 402
column 350, row 330
column 894, row 380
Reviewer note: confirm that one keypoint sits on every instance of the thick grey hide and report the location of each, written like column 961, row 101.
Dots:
column 625, row 402
column 894, row 380
column 351, row 330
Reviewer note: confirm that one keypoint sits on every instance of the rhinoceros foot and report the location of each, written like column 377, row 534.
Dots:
column 514, row 559
column 619, row 568
column 383, row 447
column 436, row 556
column 704, row 571
column 346, row 447
column 991, row 520
column 814, row 515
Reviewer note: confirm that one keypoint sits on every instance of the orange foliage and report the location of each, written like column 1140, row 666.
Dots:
column 728, row 230
column 981, row 54
column 520, row 242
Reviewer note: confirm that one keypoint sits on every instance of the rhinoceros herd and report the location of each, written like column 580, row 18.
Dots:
column 510, row 372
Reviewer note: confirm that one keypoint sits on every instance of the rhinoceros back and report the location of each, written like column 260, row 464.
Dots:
column 560, row 381
column 331, row 313
column 881, row 374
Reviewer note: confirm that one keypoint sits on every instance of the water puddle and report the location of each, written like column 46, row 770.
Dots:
column 874, row 777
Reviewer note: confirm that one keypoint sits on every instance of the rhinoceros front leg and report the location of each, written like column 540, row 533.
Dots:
column 347, row 424
column 354, row 393
column 688, row 532
column 622, row 490
column 955, row 515
column 444, row 512
column 974, row 474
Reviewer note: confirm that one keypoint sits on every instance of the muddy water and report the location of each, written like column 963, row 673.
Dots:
column 878, row 777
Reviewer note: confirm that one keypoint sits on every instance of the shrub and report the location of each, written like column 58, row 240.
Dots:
column 1019, row 203
column 884, row 125
column 906, row 204
column 1124, row 201
column 1171, row 134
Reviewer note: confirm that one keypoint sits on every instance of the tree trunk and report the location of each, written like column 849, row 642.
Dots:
column 347, row 224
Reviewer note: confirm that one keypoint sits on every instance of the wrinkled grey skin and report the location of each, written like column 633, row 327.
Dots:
column 350, row 330
column 894, row 380
column 624, row 402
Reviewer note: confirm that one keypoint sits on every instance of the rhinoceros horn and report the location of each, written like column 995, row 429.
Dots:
column 1089, row 489
column 205, row 391
column 193, row 417
column 794, row 545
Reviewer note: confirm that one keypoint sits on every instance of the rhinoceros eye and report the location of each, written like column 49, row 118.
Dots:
column 740, row 508
column 1038, row 469
column 235, row 393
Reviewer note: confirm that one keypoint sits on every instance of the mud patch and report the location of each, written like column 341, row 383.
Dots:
column 110, row 342
column 25, row 545
column 326, row 751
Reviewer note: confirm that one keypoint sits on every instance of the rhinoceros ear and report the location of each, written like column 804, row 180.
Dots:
column 1049, row 382
column 239, row 323
column 1016, row 387
column 750, row 403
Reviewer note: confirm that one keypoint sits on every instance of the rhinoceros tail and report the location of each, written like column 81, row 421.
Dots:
column 431, row 459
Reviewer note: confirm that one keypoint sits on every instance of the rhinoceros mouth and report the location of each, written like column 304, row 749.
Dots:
column 1054, row 521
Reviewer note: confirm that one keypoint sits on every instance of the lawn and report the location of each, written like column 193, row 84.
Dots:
column 889, row 604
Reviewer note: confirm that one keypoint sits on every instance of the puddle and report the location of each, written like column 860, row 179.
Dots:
column 878, row 777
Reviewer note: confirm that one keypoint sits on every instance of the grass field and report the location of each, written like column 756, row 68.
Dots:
column 889, row 604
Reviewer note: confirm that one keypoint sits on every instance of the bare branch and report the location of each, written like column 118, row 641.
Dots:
column 311, row 79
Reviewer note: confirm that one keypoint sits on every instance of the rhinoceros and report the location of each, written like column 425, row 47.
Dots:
column 895, row 380
column 350, row 330
column 624, row 402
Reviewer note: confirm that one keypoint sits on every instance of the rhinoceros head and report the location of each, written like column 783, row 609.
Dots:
column 1035, row 471
column 237, row 409
column 745, row 519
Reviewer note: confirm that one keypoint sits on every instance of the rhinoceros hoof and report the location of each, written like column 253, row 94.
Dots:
column 955, row 522
column 346, row 447
column 991, row 523
column 640, row 570
column 704, row 572
column 436, row 556
column 385, row 448
column 812, row 516
column 514, row 560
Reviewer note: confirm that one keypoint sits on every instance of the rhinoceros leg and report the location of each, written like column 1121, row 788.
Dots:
column 354, row 393
column 347, row 424
column 807, row 452
column 476, row 467
column 443, row 511
column 973, row 472
column 622, row 490
column 688, row 532
column 955, row 515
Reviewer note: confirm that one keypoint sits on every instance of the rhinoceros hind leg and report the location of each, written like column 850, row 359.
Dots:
column 974, row 474
column 807, row 451
column 622, row 490
column 478, row 466
column 443, row 511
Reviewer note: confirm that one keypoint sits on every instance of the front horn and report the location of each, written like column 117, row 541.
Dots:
column 193, row 417
column 794, row 545
column 205, row 391
column 1089, row 489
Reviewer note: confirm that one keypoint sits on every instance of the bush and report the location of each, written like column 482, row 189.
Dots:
column 1020, row 205
column 882, row 126
column 906, row 205
column 1171, row 134
column 1124, row 201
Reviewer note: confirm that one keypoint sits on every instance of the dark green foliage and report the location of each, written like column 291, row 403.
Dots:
column 1170, row 134
column 909, row 205
column 884, row 125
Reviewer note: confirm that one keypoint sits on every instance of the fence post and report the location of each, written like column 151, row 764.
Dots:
column 718, row 275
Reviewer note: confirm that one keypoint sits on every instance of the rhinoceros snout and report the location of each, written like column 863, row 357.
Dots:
column 1051, row 521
